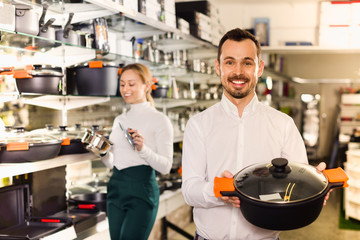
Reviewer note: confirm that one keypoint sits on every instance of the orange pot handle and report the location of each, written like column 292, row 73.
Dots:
column 95, row 64
column 17, row 146
column 223, row 185
column 22, row 74
column 337, row 175
column 66, row 141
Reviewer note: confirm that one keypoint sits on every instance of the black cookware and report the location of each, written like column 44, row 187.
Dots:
column 96, row 78
column 67, row 34
column 46, row 30
column 280, row 195
column 19, row 146
column 16, row 220
column 89, row 201
column 38, row 79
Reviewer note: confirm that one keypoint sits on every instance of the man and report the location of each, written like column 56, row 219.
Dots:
column 232, row 134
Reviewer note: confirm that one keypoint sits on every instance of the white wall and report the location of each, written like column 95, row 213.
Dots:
column 289, row 20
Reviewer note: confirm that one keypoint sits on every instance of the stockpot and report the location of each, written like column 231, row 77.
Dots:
column 280, row 195
column 67, row 34
column 26, row 19
column 45, row 28
column 95, row 142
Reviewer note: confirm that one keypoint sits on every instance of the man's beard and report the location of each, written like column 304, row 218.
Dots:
column 237, row 93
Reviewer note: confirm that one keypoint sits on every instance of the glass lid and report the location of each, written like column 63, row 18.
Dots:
column 19, row 134
column 280, row 181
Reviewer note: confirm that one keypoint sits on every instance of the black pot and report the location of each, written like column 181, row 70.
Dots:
column 96, row 79
column 280, row 195
column 160, row 92
column 39, row 80
column 21, row 147
column 89, row 201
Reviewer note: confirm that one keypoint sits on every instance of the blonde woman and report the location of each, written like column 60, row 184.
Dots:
column 133, row 193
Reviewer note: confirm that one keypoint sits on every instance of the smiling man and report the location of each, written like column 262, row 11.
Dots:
column 236, row 132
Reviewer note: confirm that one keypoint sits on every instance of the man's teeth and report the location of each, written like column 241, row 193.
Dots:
column 238, row 82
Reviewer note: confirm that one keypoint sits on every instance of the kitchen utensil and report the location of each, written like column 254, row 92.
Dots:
column 46, row 30
column 128, row 137
column 18, row 222
column 96, row 78
column 95, row 142
column 68, row 35
column 89, row 200
column 280, row 195
column 26, row 19
column 36, row 79
column 20, row 146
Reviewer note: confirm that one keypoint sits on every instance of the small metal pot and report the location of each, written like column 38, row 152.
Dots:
column 26, row 19
column 95, row 142
column 46, row 30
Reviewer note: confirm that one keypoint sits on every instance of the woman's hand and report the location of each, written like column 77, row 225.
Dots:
column 235, row 201
column 321, row 167
column 137, row 138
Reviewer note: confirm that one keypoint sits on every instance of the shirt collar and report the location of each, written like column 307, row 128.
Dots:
column 139, row 106
column 232, row 110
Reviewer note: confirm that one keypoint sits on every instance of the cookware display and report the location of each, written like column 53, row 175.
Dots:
column 17, row 222
column 95, row 142
column 89, row 201
column 38, row 79
column 281, row 195
column 67, row 34
column 26, row 19
column 96, row 78
column 19, row 146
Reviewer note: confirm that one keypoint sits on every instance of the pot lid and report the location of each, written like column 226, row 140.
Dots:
column 280, row 181
column 19, row 135
column 45, row 72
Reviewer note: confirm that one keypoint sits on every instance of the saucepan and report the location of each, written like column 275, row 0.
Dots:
column 95, row 142
column 281, row 195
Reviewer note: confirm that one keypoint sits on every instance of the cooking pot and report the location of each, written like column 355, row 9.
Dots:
column 71, row 140
column 96, row 78
column 67, row 34
column 26, row 19
column 95, row 142
column 89, row 201
column 38, row 79
column 46, row 30
column 280, row 195
column 19, row 146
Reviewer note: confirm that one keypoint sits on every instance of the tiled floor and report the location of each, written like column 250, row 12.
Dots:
column 324, row 228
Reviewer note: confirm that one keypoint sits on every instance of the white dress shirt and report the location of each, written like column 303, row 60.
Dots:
column 157, row 130
column 216, row 140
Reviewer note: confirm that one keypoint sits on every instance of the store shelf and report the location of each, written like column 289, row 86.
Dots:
column 13, row 169
column 309, row 50
column 65, row 102
column 172, row 103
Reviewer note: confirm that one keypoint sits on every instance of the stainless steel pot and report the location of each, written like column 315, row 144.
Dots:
column 95, row 142
column 26, row 19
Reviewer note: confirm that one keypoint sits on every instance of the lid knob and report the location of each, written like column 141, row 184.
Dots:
column 49, row 126
column 280, row 168
column 62, row 128
column 95, row 127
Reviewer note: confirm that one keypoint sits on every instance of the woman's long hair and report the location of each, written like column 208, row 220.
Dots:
column 145, row 76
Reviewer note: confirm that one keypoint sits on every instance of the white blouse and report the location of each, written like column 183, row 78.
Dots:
column 157, row 131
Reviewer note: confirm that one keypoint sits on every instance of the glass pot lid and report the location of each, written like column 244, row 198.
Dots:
column 20, row 135
column 280, row 181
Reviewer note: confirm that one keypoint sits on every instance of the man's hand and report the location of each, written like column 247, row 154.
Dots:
column 321, row 167
column 235, row 201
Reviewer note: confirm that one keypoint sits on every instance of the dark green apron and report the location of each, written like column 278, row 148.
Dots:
column 132, row 202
